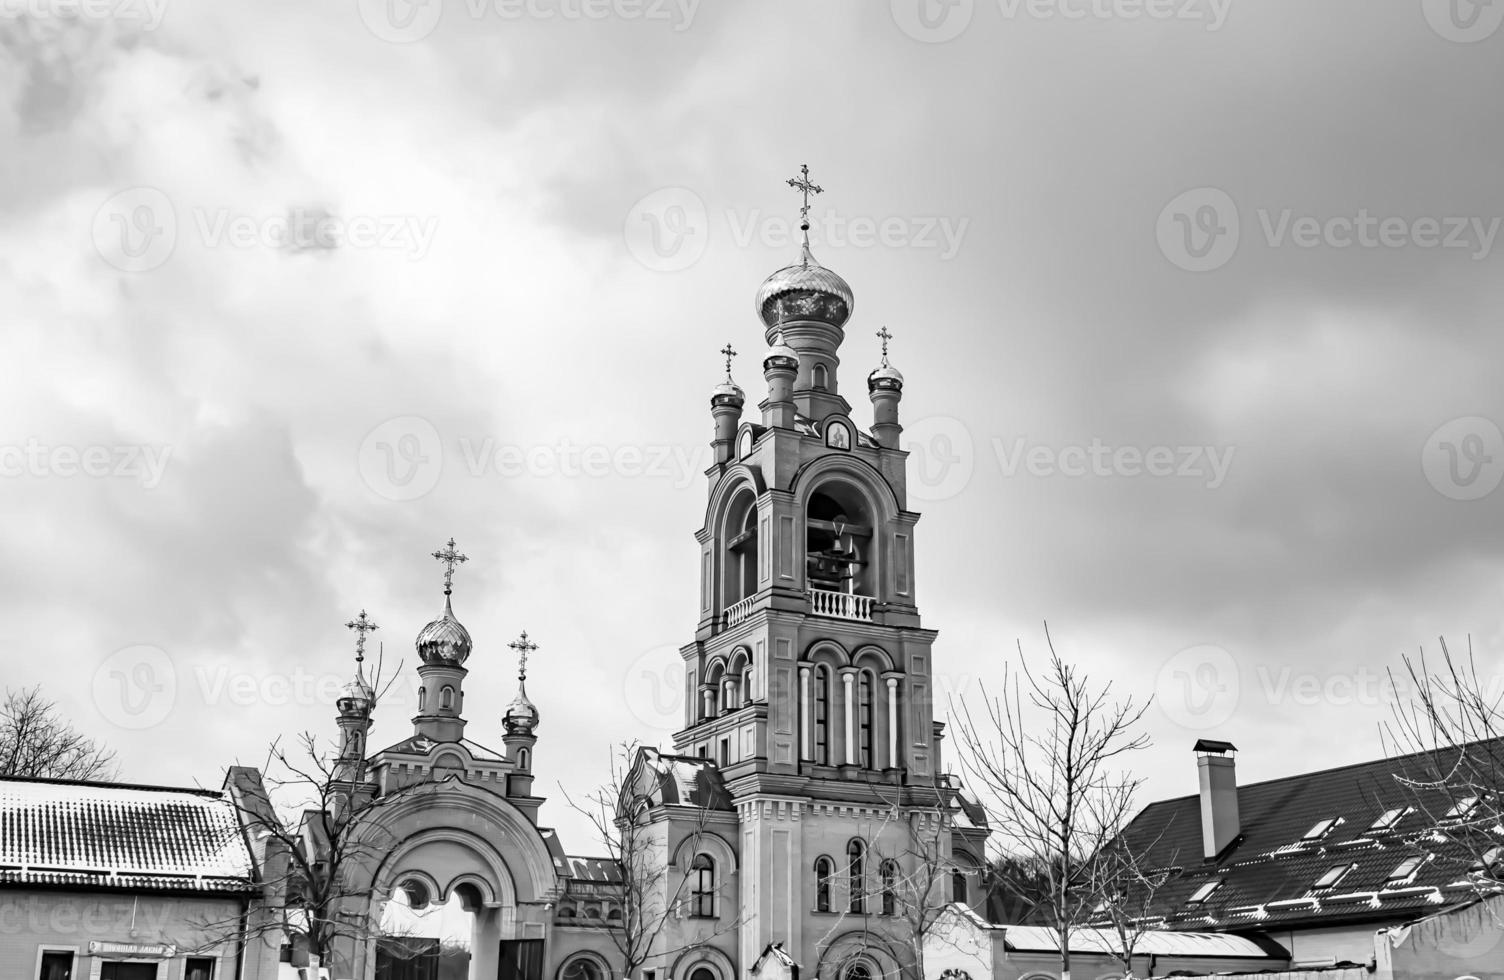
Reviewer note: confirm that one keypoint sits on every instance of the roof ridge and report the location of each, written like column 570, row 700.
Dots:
column 111, row 784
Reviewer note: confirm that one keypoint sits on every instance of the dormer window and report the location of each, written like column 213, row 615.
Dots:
column 1404, row 872
column 1463, row 809
column 1320, row 830
column 1389, row 818
column 1332, row 876
column 1201, row 894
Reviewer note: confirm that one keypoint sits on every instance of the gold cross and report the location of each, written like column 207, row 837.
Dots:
column 523, row 646
column 450, row 558
column 730, row 352
column 802, row 184
column 885, row 336
column 362, row 625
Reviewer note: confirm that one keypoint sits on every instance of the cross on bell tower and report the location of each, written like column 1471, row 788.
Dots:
column 451, row 558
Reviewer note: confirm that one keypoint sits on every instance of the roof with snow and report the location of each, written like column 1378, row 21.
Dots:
column 1035, row 939
column 677, row 780
column 120, row 836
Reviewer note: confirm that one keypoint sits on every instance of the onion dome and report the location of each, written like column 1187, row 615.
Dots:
column 780, row 355
column 886, row 376
column 727, row 391
column 356, row 698
column 521, row 717
column 445, row 640
column 805, row 290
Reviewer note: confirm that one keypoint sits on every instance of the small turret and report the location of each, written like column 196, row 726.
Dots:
column 520, row 724
column 443, row 646
column 726, row 401
column 356, row 702
column 885, row 386
column 780, row 366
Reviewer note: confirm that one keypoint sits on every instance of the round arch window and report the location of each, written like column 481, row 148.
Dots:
column 858, row 971
column 703, row 973
column 581, row 968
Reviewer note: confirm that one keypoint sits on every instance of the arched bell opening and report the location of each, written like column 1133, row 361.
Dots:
column 739, row 561
column 838, row 527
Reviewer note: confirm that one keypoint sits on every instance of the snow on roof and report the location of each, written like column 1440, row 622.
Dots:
column 119, row 835
column 1089, row 940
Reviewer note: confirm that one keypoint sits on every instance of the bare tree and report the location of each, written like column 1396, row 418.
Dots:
column 649, row 891
column 1449, row 733
column 1017, row 890
column 1125, row 887
column 1047, row 755
column 35, row 742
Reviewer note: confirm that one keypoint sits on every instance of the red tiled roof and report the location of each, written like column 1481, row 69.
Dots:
column 108, row 835
column 1267, row 873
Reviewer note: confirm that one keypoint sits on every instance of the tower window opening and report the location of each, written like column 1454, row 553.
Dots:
column 523, row 759
column 864, row 719
column 446, row 697
column 856, row 853
column 741, row 551
column 821, row 377
column 822, row 715
column 825, row 870
column 890, row 888
column 958, row 887
column 422, row 698
column 838, row 529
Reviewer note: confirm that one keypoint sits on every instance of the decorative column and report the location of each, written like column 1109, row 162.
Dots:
column 806, row 715
column 893, row 760
column 707, row 697
column 848, row 680
column 728, row 687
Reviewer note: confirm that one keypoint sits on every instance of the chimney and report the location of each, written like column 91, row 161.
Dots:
column 1216, row 769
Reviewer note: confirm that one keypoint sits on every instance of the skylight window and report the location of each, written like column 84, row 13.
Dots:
column 1389, row 818
column 1321, row 829
column 1203, row 893
column 1489, row 860
column 1404, row 871
column 1332, row 875
column 1462, row 809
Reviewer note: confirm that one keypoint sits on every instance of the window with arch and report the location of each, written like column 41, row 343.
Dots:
column 864, row 720
column 856, row 857
column 889, row 873
column 714, row 676
column 858, row 971
column 702, row 887
column 825, row 871
column 355, row 743
column 524, row 759
column 741, row 550
column 581, row 968
column 446, row 697
column 822, row 714
column 821, row 377
column 703, row 973
column 422, row 698
column 958, row 887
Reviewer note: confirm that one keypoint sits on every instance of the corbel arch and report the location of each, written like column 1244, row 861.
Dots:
column 708, row 843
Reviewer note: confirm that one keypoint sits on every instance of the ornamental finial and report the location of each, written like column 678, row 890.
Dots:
column 362, row 625
column 523, row 646
column 729, row 353
column 885, row 336
column 803, row 185
column 450, row 558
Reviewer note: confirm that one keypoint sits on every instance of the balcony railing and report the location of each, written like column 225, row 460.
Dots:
column 840, row 605
column 740, row 611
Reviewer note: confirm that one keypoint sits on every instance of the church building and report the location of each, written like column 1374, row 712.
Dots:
column 803, row 809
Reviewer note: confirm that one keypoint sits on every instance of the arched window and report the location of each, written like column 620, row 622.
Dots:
column 858, row 971
column 702, row 887
column 890, row 888
column 702, row 973
column 864, row 720
column 822, row 714
column 825, row 870
column 446, row 697
column 581, row 968
column 422, row 698
column 741, row 550
column 958, row 887
column 838, row 528
column 821, row 377
column 523, row 759
column 856, row 853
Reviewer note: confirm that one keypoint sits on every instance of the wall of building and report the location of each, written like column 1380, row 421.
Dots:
column 1333, row 944
column 33, row 920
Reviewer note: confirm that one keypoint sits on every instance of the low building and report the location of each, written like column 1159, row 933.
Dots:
column 109, row 881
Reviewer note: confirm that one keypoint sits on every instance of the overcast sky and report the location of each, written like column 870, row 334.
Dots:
column 1198, row 303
